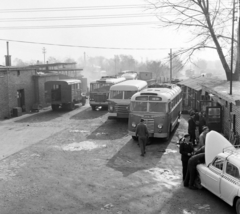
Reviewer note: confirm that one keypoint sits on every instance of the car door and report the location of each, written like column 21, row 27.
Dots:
column 230, row 183
column 213, row 176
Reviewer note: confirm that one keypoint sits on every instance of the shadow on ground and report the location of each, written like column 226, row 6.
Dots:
column 128, row 160
column 110, row 130
column 44, row 116
column 89, row 114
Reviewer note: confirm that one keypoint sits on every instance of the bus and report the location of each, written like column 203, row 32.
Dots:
column 99, row 90
column 64, row 93
column 160, row 106
column 120, row 96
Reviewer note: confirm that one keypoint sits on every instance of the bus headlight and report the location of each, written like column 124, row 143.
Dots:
column 160, row 126
column 110, row 108
column 134, row 125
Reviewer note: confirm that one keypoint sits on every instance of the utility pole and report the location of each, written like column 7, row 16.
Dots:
column 44, row 52
column 170, row 64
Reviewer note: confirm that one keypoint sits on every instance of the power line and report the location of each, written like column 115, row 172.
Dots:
column 72, row 8
column 78, row 26
column 90, row 47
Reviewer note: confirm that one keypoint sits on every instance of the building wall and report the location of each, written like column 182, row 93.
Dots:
column 3, row 95
column 236, row 110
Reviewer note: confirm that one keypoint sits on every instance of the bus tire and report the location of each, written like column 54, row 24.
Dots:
column 135, row 138
column 93, row 108
column 55, row 107
column 169, row 132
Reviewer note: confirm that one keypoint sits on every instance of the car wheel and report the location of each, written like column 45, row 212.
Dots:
column 237, row 206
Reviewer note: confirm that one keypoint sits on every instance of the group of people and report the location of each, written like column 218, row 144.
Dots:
column 192, row 148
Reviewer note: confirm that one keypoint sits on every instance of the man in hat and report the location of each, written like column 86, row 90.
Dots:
column 142, row 134
column 186, row 150
column 202, row 137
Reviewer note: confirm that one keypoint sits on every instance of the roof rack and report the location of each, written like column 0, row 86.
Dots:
column 108, row 77
column 234, row 149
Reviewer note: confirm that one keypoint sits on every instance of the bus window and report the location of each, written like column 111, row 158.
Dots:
column 157, row 107
column 128, row 94
column 139, row 106
column 100, row 87
column 116, row 95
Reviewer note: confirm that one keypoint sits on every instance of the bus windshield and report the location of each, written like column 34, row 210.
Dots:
column 116, row 95
column 128, row 94
column 139, row 106
column 100, row 87
column 157, row 107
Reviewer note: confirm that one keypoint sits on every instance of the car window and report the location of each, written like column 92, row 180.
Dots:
column 218, row 163
column 232, row 170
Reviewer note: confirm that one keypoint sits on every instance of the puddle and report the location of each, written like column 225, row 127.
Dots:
column 187, row 211
column 79, row 131
column 202, row 206
column 167, row 151
column 85, row 145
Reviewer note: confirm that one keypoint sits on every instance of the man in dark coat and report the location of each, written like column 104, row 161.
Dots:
column 192, row 170
column 192, row 128
column 142, row 134
column 186, row 150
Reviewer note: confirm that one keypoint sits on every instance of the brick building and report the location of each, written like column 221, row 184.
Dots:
column 23, row 87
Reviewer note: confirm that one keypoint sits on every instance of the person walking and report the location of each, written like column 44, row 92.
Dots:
column 192, row 128
column 186, row 150
column 142, row 134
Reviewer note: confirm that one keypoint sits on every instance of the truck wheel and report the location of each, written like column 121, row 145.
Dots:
column 93, row 108
column 237, row 206
column 135, row 138
column 55, row 107
column 84, row 102
column 71, row 106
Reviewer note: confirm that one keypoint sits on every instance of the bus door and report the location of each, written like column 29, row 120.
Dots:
column 56, row 92
column 214, row 118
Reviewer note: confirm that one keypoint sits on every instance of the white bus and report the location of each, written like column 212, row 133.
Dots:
column 99, row 90
column 120, row 96
column 160, row 106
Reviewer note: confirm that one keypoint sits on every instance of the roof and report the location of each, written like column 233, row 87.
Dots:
column 68, row 81
column 129, row 85
column 222, row 91
column 196, row 83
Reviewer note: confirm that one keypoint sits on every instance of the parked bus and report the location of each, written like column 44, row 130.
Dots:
column 64, row 93
column 120, row 96
column 160, row 106
column 99, row 90
column 129, row 75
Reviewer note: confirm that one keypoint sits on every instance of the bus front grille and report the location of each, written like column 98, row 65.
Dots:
column 100, row 98
column 150, row 125
column 122, row 109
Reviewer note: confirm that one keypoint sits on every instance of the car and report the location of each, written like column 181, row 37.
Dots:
column 220, row 173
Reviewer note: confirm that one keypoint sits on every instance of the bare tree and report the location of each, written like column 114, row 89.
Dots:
column 207, row 21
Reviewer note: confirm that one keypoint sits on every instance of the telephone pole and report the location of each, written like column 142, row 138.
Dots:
column 170, row 64
column 44, row 52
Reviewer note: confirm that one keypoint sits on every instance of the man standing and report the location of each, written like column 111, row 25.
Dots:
column 202, row 137
column 186, row 150
column 192, row 128
column 142, row 134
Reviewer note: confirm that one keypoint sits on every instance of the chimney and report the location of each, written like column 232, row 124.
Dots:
column 7, row 58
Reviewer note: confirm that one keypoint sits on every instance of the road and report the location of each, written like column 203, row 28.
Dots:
column 81, row 162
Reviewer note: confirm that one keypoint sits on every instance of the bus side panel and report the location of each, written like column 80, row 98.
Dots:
column 66, row 93
column 76, row 95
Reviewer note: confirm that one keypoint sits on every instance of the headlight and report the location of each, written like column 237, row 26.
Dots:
column 111, row 108
column 83, row 94
column 160, row 126
column 134, row 124
column 127, row 107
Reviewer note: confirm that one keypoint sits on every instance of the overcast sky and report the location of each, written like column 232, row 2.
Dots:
column 85, row 13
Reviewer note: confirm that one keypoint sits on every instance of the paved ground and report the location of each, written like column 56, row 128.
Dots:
column 81, row 162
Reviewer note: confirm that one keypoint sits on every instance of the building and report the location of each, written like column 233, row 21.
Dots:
column 22, row 88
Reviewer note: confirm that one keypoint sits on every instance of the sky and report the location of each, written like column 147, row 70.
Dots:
column 109, row 39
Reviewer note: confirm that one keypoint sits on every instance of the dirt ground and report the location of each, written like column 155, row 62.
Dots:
column 81, row 162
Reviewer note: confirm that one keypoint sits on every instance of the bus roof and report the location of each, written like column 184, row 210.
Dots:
column 129, row 85
column 164, row 93
column 110, row 80
column 68, row 81
column 129, row 76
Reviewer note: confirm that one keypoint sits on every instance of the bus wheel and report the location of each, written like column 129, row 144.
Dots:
column 135, row 138
column 55, row 107
column 84, row 101
column 93, row 108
